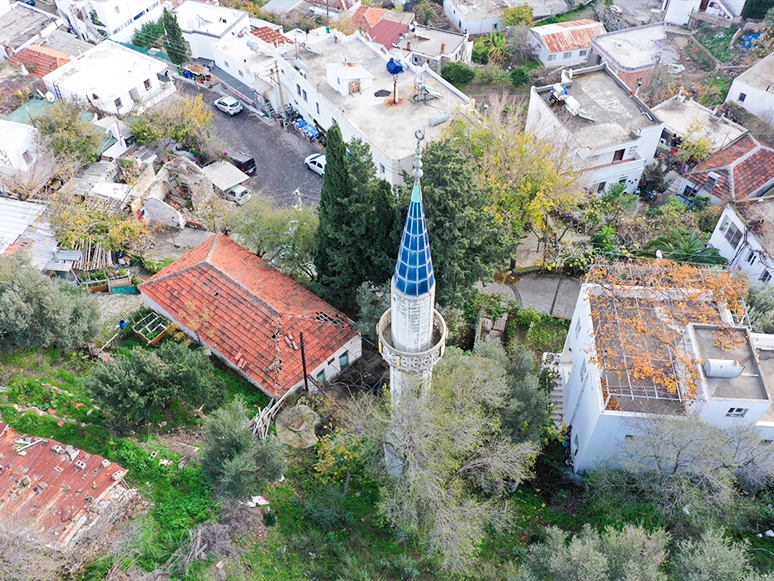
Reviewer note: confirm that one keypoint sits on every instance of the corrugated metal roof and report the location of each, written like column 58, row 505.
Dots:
column 573, row 35
column 53, row 486
column 224, row 175
column 15, row 218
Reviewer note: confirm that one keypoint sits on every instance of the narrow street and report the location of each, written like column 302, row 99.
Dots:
column 279, row 154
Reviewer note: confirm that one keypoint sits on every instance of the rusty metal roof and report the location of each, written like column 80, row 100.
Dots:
column 55, row 487
column 573, row 35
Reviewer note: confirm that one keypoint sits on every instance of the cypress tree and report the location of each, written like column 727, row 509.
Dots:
column 177, row 49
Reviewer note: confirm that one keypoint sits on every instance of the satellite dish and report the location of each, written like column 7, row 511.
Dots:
column 50, row 97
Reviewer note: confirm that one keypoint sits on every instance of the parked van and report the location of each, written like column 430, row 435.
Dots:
column 238, row 194
column 242, row 161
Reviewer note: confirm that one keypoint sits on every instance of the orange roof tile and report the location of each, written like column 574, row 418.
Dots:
column 40, row 60
column 573, row 35
column 249, row 313
column 60, row 495
column 744, row 168
column 366, row 17
column 270, row 36
column 387, row 32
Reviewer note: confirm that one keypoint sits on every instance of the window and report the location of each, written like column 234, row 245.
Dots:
column 118, row 103
column 577, row 329
column 765, row 276
column 344, row 359
column 147, row 84
column 551, row 57
column 618, row 155
column 583, row 371
column 27, row 157
column 731, row 232
column 689, row 191
column 318, row 108
column 381, row 168
column 338, row 80
column 298, row 90
column 118, row 10
column 582, row 53
column 575, row 442
column 305, row 99
column 632, row 150
column 601, row 187
column 736, row 412
column 226, row 63
column 742, row 97
column 459, row 23
column 321, row 376
column 751, row 257
column 622, row 180
column 567, row 55
column 628, row 437
column 241, row 74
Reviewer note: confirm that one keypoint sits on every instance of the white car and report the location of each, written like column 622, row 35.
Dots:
column 316, row 162
column 229, row 105
column 238, row 194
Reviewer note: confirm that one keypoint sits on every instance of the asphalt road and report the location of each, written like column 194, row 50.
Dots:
column 279, row 154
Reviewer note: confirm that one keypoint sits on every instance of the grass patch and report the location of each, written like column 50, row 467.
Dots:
column 717, row 42
column 716, row 90
column 566, row 17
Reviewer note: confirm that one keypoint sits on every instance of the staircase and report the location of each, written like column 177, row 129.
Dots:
column 550, row 361
column 267, row 107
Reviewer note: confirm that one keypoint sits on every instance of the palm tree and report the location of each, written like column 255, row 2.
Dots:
column 685, row 247
column 498, row 47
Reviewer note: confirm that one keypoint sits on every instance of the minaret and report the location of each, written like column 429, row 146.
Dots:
column 412, row 334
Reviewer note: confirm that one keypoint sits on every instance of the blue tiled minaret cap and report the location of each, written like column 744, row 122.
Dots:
column 414, row 270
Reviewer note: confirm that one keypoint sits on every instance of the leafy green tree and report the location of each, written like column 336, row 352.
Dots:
column 519, row 76
column 424, row 11
column 457, row 73
column 631, row 554
column 177, row 49
column 519, row 47
column 356, row 238
column 269, row 459
column 682, row 247
column 712, row 557
column 284, row 237
column 227, row 451
column 480, row 53
column 36, row 312
column 760, row 307
column 517, row 15
column 757, row 9
column 372, row 302
column 147, row 35
column 498, row 47
column 146, row 382
column 468, row 242
column 453, row 455
column 66, row 132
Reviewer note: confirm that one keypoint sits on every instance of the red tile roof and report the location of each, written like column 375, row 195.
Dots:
column 249, row 313
column 366, row 17
column 270, row 36
column 50, row 490
column 744, row 168
column 40, row 60
column 573, row 35
column 387, row 32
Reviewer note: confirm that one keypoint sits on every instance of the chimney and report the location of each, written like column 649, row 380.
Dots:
column 408, row 45
column 443, row 48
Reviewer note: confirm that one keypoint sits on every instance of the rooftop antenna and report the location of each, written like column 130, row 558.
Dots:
column 395, row 91
column 418, row 173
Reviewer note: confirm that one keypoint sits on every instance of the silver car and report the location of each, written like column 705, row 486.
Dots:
column 229, row 105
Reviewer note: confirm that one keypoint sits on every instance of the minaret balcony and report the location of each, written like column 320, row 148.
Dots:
column 404, row 360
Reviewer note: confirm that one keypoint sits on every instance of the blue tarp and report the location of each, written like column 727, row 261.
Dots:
column 394, row 67
column 747, row 40
column 303, row 126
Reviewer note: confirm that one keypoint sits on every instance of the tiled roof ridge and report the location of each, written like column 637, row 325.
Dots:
column 274, row 311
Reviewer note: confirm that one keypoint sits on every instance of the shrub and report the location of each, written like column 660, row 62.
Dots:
column 491, row 74
column 325, row 508
column 269, row 459
column 519, row 76
column 480, row 53
column 458, row 73
column 527, row 317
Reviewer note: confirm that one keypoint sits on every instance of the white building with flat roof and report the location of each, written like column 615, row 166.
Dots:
column 436, row 47
column 17, row 145
column 631, row 53
column 635, row 350
column 333, row 79
column 96, row 20
column 483, row 16
column 205, row 25
column 679, row 11
column 753, row 90
column 609, row 134
column 112, row 78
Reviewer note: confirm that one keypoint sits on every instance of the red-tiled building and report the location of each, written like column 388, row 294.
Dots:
column 72, row 498
column 40, row 60
column 744, row 169
column 252, row 316
column 387, row 33
column 564, row 43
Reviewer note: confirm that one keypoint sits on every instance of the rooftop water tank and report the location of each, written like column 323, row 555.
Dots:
column 394, row 67
column 722, row 368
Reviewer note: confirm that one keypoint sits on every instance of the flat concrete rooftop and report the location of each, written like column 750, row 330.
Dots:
column 759, row 214
column 760, row 75
column 634, row 48
column 679, row 115
column 615, row 113
column 431, row 41
column 21, row 23
column 730, row 343
column 388, row 127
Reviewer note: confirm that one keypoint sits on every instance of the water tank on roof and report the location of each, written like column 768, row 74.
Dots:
column 394, row 67
column 722, row 368
column 572, row 104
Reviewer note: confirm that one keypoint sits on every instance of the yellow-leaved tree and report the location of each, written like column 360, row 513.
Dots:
column 527, row 178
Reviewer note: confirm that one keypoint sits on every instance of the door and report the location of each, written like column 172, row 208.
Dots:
column 618, row 156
